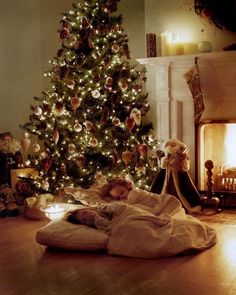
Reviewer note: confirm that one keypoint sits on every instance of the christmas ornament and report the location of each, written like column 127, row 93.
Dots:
column 78, row 127
column 95, row 93
column 151, row 137
column 115, row 48
column 70, row 84
column 46, row 163
column 64, row 33
column 93, row 142
column 108, row 83
column 45, row 185
column 43, row 155
column 85, row 23
column 136, row 115
column 75, row 103
column 126, row 156
column 72, row 40
column 123, row 85
column 88, row 125
column 130, row 123
column 115, row 157
column 58, row 108
column 71, row 148
column 25, row 143
column 38, row 111
column 80, row 161
column 61, row 52
column 116, row 121
column 35, row 147
column 140, row 169
column 145, row 109
column 105, row 114
column 55, row 135
column 143, row 149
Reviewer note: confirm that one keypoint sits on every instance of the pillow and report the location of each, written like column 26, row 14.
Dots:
column 65, row 235
column 90, row 196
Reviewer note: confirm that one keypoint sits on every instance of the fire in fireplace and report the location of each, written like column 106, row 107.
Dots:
column 217, row 142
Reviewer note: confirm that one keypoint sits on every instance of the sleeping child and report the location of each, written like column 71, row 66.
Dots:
column 142, row 224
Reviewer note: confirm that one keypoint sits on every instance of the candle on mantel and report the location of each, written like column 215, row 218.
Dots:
column 190, row 48
column 177, row 46
column 166, row 38
column 54, row 211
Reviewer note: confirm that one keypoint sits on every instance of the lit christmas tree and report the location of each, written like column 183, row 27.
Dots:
column 90, row 120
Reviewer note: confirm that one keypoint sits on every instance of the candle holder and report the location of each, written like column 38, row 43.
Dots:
column 54, row 211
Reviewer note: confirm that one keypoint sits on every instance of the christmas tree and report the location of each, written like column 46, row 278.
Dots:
column 90, row 120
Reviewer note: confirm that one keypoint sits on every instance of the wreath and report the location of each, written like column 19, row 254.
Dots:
column 221, row 13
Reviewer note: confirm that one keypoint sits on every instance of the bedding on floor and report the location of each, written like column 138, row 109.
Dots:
column 147, row 225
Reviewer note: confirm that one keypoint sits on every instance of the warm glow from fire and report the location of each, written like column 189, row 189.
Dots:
column 230, row 145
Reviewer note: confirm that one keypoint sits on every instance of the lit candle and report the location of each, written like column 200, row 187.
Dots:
column 190, row 48
column 54, row 211
column 166, row 39
column 177, row 46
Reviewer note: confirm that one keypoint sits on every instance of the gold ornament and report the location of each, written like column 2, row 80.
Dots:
column 36, row 147
column 71, row 148
column 55, row 135
column 75, row 103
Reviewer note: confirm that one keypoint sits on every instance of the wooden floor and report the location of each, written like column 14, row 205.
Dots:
column 26, row 268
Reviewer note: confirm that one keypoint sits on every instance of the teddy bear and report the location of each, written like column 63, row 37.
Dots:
column 8, row 206
column 173, row 177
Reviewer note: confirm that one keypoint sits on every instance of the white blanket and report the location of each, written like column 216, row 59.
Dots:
column 151, row 226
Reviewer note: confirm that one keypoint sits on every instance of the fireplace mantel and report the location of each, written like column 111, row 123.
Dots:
column 171, row 100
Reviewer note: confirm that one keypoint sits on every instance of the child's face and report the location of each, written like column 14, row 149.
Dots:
column 119, row 192
column 87, row 217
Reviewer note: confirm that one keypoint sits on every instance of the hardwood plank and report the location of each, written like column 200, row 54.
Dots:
column 27, row 268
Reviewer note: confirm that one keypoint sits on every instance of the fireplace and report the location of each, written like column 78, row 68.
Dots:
column 172, row 111
column 216, row 141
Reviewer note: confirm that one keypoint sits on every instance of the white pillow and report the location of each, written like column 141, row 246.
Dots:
column 65, row 235
column 90, row 196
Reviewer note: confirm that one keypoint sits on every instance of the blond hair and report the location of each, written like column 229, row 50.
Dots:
column 115, row 181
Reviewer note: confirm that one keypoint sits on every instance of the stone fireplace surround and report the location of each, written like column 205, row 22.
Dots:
column 172, row 108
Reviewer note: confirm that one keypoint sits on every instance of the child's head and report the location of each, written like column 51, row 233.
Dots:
column 86, row 216
column 117, row 189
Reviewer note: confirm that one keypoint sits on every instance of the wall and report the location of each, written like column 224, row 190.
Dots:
column 29, row 40
column 178, row 17
column 20, row 62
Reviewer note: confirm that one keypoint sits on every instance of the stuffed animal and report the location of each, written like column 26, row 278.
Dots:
column 173, row 177
column 8, row 206
column 176, row 155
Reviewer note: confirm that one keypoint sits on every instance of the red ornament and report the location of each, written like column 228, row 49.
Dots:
column 80, row 161
column 108, row 83
column 143, row 149
column 126, row 156
column 46, row 163
column 85, row 22
column 130, row 123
